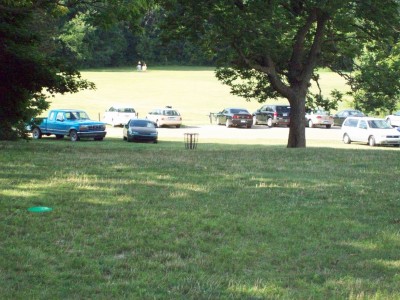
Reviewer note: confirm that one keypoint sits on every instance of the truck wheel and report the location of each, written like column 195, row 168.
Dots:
column 73, row 136
column 36, row 133
column 98, row 138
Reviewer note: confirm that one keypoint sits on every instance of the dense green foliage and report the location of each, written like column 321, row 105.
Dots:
column 272, row 49
column 144, row 221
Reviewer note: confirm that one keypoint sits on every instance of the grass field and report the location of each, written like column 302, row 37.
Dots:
column 195, row 92
column 144, row 221
column 224, row 221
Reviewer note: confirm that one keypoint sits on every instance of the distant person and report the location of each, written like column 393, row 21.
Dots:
column 144, row 67
column 139, row 66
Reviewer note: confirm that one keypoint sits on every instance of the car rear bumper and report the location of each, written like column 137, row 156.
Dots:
column 239, row 122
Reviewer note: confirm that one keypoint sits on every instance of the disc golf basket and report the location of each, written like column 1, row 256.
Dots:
column 191, row 140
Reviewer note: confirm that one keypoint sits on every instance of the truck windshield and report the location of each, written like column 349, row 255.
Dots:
column 77, row 115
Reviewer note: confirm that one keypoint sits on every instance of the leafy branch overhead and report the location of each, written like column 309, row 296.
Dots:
column 273, row 49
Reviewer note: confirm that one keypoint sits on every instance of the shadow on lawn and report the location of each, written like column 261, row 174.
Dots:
column 220, row 221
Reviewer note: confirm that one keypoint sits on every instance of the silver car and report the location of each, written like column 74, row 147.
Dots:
column 373, row 131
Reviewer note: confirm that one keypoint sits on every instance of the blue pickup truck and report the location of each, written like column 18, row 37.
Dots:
column 68, row 122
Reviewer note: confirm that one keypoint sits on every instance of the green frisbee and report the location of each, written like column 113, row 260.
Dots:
column 39, row 209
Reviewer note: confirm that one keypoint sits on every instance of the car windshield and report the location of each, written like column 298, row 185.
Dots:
column 142, row 123
column 320, row 112
column 170, row 113
column 239, row 111
column 126, row 110
column 355, row 113
column 77, row 115
column 283, row 109
column 380, row 124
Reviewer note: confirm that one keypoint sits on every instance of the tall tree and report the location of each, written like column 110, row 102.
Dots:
column 35, row 63
column 272, row 48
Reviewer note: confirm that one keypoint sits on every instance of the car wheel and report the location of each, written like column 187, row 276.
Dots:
column 328, row 126
column 310, row 124
column 59, row 136
column 371, row 141
column 269, row 122
column 178, row 126
column 228, row 123
column 36, row 133
column 346, row 139
column 73, row 136
column 255, row 120
column 248, row 126
column 158, row 124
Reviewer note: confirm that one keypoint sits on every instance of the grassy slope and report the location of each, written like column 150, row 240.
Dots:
column 147, row 221
column 194, row 92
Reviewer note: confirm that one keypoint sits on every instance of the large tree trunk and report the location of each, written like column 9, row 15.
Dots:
column 297, row 132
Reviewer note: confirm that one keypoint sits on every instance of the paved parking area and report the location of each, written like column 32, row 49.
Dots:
column 222, row 132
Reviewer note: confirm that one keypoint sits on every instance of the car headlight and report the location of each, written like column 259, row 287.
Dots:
column 134, row 132
column 83, row 127
column 154, row 133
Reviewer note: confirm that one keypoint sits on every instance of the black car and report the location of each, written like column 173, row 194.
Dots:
column 140, row 130
column 272, row 115
column 340, row 116
column 238, row 117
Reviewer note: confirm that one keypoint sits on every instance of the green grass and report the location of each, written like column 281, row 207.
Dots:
column 224, row 221
column 144, row 221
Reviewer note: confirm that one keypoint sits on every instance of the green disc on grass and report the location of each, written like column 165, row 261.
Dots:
column 39, row 209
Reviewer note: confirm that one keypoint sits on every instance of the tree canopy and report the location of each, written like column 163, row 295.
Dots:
column 272, row 49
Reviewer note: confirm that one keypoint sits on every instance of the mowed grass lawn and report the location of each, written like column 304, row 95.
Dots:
column 145, row 221
column 223, row 221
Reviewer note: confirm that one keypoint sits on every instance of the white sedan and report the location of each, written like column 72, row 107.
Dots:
column 394, row 119
column 319, row 117
column 373, row 131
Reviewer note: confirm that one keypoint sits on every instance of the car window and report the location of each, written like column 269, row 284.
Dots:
column 350, row 122
column 170, row 113
column 239, row 111
column 283, row 109
column 363, row 124
column 60, row 116
column 126, row 110
column 380, row 124
column 141, row 123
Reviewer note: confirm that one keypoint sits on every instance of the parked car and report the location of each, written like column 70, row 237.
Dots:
column 373, row 131
column 318, row 117
column 394, row 119
column 140, row 130
column 237, row 117
column 119, row 115
column 73, row 123
column 166, row 116
column 272, row 115
column 340, row 116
